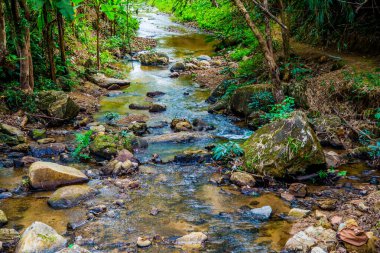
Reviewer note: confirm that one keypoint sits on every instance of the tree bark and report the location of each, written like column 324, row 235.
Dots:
column 22, row 37
column 274, row 71
column 97, row 36
column 284, row 32
column 61, row 40
column 3, row 35
column 49, row 47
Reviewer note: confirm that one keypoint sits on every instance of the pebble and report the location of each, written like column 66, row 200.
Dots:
column 143, row 242
column 262, row 212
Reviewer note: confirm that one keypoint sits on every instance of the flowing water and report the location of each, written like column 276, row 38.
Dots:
column 186, row 200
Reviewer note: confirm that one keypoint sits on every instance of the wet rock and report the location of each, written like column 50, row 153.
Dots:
column 37, row 134
column 3, row 218
column 332, row 159
column 287, row 196
column 204, row 64
column 200, row 125
column 217, row 178
column 139, row 106
column 47, row 150
column 70, row 196
column 143, row 242
column 115, row 93
column 204, row 58
column 242, row 97
column 147, row 170
column 157, row 108
column 58, row 105
column 5, row 195
column 123, row 164
column 298, row 190
column 192, row 239
column 98, row 209
column 262, row 213
column 242, row 179
column 154, row 211
column 9, row 237
column 327, row 129
column 28, row 160
column 179, row 125
column 74, row 249
column 47, row 175
column 178, row 67
column 198, row 156
column 311, row 237
column 106, row 82
column 138, row 128
column 11, row 135
column 23, row 147
column 298, row 213
column 327, row 204
column 153, row 94
column 268, row 151
column 174, row 75
column 246, row 190
column 106, row 146
column 153, row 59
column 46, row 141
column 40, row 237
column 178, row 137
column 218, row 92
column 218, row 107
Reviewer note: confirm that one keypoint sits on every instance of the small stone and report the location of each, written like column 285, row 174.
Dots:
column 98, row 129
column 119, row 202
column 143, row 242
column 319, row 214
column 317, row 250
column 98, row 209
column 154, row 211
column 336, row 220
column 327, row 204
column 192, row 239
column 287, row 196
column 262, row 213
column 242, row 179
column 3, row 218
column 298, row 213
column 298, row 190
column 46, row 141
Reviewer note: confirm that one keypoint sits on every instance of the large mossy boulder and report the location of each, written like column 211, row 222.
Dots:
column 242, row 97
column 42, row 238
column 284, row 147
column 107, row 145
column 153, row 59
column 11, row 135
column 47, row 175
column 57, row 105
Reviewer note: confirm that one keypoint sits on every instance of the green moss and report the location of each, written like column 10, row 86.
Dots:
column 46, row 237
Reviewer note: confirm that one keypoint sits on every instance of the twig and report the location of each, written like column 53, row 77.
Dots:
column 266, row 12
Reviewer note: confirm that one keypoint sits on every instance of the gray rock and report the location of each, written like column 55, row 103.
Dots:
column 204, row 58
column 42, row 238
column 262, row 213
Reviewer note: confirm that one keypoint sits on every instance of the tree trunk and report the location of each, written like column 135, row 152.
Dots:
column 22, row 33
column 284, row 32
column 214, row 3
column 3, row 35
column 49, row 46
column 274, row 71
column 97, row 36
column 61, row 40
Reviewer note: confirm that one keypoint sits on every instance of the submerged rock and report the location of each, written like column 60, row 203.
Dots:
column 9, row 237
column 74, row 249
column 192, row 239
column 282, row 148
column 40, row 237
column 262, row 213
column 57, row 105
column 47, row 150
column 153, row 94
column 70, row 196
column 138, row 128
column 157, row 108
column 47, row 175
column 179, row 125
column 178, row 137
column 242, row 179
column 153, row 59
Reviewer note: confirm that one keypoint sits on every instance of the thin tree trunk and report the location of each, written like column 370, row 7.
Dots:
column 3, row 35
column 214, row 3
column 274, row 71
column 22, row 39
column 97, row 36
column 284, row 32
column 61, row 35
column 49, row 45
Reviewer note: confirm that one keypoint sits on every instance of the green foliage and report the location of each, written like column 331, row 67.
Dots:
column 227, row 151
column 282, row 110
column 375, row 150
column 253, row 67
column 239, row 53
column 15, row 98
column 261, row 101
column 363, row 82
column 322, row 174
column 82, row 142
column 364, row 137
column 111, row 116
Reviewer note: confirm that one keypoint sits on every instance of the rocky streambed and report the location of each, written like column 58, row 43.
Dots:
column 146, row 182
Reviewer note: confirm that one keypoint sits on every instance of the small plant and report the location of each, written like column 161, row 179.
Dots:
column 342, row 173
column 227, row 151
column 364, row 137
column 281, row 111
column 374, row 152
column 111, row 117
column 261, row 101
column 322, row 174
column 82, row 143
column 293, row 146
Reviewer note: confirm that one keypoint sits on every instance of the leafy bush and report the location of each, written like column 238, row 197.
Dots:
column 82, row 142
column 15, row 98
column 227, row 151
column 282, row 110
column 239, row 53
column 261, row 101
